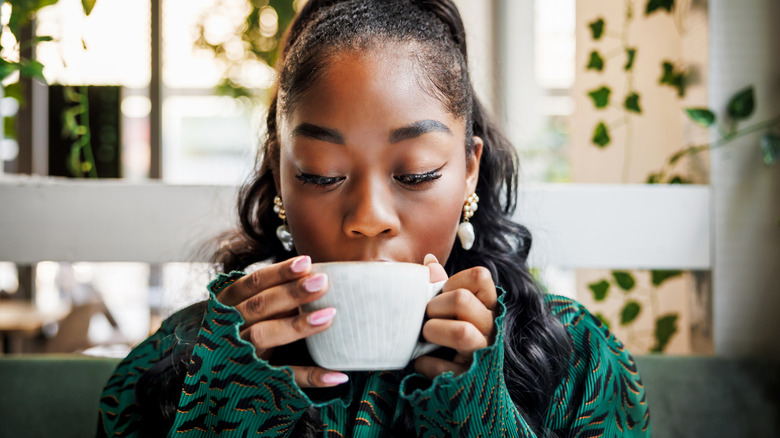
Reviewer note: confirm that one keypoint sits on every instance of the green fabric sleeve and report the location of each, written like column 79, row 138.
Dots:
column 119, row 413
column 475, row 403
column 603, row 394
column 228, row 389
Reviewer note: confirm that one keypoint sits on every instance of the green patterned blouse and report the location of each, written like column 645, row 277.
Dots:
column 228, row 391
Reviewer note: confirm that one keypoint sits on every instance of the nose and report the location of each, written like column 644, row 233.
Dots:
column 370, row 210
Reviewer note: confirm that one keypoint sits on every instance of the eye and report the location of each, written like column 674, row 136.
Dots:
column 418, row 179
column 318, row 180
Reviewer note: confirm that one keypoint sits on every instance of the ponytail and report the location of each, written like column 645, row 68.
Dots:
column 448, row 13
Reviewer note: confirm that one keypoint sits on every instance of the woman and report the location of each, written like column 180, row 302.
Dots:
column 378, row 149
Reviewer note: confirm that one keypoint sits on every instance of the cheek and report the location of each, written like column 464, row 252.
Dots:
column 432, row 224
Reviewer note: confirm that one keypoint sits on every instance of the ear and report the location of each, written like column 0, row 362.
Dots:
column 472, row 166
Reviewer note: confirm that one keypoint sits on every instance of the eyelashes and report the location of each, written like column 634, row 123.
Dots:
column 416, row 179
column 412, row 180
column 317, row 180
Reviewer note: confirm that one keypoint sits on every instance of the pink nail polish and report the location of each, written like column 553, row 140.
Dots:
column 335, row 378
column 300, row 264
column 321, row 316
column 315, row 282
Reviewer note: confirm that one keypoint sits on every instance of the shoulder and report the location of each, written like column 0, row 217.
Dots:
column 578, row 321
column 600, row 369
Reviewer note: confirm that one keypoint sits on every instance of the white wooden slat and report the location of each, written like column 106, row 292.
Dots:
column 618, row 226
column 574, row 226
column 100, row 221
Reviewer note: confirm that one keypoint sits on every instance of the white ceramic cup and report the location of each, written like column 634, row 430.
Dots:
column 379, row 313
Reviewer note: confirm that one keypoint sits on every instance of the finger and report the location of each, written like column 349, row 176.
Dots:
column 463, row 305
column 273, row 333
column 314, row 377
column 479, row 281
column 264, row 278
column 431, row 367
column 281, row 300
column 461, row 336
column 437, row 272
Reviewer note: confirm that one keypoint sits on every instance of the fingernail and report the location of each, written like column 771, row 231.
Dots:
column 430, row 258
column 321, row 316
column 300, row 264
column 315, row 282
column 335, row 378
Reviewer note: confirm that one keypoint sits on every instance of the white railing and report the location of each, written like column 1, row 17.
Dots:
column 574, row 226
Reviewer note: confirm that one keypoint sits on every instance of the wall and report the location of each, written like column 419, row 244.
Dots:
column 745, row 49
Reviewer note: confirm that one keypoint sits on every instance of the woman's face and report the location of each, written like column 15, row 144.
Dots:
column 371, row 166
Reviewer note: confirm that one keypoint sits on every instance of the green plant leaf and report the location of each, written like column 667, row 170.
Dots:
column 624, row 279
column 653, row 178
column 670, row 76
column 600, row 97
column 603, row 319
column 601, row 135
column 632, row 103
column 665, row 327
column 23, row 11
column 667, row 76
column 597, row 28
column 9, row 126
column 599, row 289
column 658, row 276
column 770, row 148
column 88, row 5
column 32, row 69
column 677, row 179
column 742, row 104
column 701, row 116
column 596, row 62
column 654, row 5
column 7, row 68
column 630, row 54
column 629, row 312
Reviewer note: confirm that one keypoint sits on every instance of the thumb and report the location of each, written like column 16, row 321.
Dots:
column 437, row 270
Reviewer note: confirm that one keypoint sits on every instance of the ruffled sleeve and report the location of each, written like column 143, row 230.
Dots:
column 475, row 403
column 601, row 395
column 228, row 388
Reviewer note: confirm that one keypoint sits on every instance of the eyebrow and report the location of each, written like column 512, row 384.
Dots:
column 318, row 133
column 417, row 129
column 407, row 132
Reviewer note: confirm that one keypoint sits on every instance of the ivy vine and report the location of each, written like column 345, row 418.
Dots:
column 740, row 107
column 632, row 308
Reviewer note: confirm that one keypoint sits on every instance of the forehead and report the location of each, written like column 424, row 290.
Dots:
column 377, row 86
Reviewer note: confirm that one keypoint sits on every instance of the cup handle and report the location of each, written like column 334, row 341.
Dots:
column 424, row 348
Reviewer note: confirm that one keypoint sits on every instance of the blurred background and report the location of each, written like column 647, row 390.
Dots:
column 665, row 101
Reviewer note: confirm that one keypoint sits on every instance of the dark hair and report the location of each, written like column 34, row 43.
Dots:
column 537, row 347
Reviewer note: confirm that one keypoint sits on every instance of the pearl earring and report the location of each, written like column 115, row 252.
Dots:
column 465, row 229
column 282, row 232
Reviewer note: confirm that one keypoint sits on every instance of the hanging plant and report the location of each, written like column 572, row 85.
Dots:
column 739, row 108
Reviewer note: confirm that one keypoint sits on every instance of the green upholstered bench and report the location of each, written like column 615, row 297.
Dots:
column 45, row 396
column 711, row 396
column 57, row 396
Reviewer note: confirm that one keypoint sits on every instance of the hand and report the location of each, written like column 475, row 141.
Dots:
column 268, row 299
column 461, row 317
